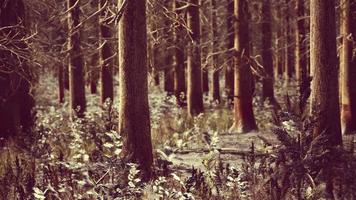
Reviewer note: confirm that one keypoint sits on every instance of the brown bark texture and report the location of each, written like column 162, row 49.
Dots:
column 215, row 84
column 348, row 67
column 267, row 57
column 244, row 117
column 179, row 66
column 106, row 57
column 76, row 64
column 325, row 94
column 16, row 102
column 134, row 116
column 229, row 70
column 194, row 83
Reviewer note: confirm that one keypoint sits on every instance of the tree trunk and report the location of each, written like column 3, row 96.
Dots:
column 288, row 45
column 106, row 58
column 325, row 96
column 134, row 116
column 215, row 85
column 244, row 117
column 16, row 102
column 179, row 67
column 60, row 84
column 94, row 73
column 348, row 68
column 268, row 81
column 229, row 70
column 194, row 93
column 301, row 58
column 76, row 69
column 279, row 43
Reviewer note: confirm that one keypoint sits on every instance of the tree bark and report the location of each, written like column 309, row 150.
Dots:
column 301, row 58
column 106, row 58
column 348, row 67
column 244, row 117
column 16, row 101
column 134, row 116
column 60, row 84
column 215, row 85
column 76, row 65
column 267, row 58
column 325, row 95
column 229, row 70
column 179, row 66
column 194, row 87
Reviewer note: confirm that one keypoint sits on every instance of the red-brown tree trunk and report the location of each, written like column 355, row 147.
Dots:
column 76, row 65
column 229, row 70
column 267, row 58
column 106, row 58
column 348, row 67
column 60, row 84
column 194, row 87
column 134, row 116
column 179, row 66
column 244, row 117
column 325, row 93
column 301, row 57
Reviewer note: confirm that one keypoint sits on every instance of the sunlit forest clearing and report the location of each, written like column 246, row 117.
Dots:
column 177, row 99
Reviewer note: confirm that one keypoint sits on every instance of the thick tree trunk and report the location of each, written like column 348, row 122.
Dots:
column 301, row 58
column 106, row 58
column 348, row 67
column 76, row 69
column 194, row 87
column 268, row 81
column 229, row 70
column 179, row 67
column 134, row 116
column 16, row 102
column 215, row 84
column 244, row 117
column 288, row 65
column 323, row 60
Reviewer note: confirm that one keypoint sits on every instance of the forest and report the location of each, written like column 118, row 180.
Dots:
column 177, row 99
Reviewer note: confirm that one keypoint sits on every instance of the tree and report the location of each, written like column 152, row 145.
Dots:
column 76, row 69
column 348, row 67
column 179, row 67
column 215, row 89
column 300, row 55
column 324, row 95
column 194, row 85
column 106, row 56
column 288, row 64
column 267, row 58
column 244, row 117
column 229, row 70
column 134, row 116
column 16, row 99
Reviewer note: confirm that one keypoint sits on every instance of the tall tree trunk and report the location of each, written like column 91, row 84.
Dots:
column 215, row 85
column 325, row 94
column 106, row 58
column 94, row 73
column 179, row 67
column 168, row 68
column 244, row 117
column 268, row 81
column 134, row 116
column 60, row 84
column 279, row 43
column 229, row 70
column 288, row 46
column 16, row 102
column 194, row 93
column 348, row 67
column 76, row 69
column 301, row 58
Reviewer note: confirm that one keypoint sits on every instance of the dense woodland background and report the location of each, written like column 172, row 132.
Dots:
column 177, row 99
